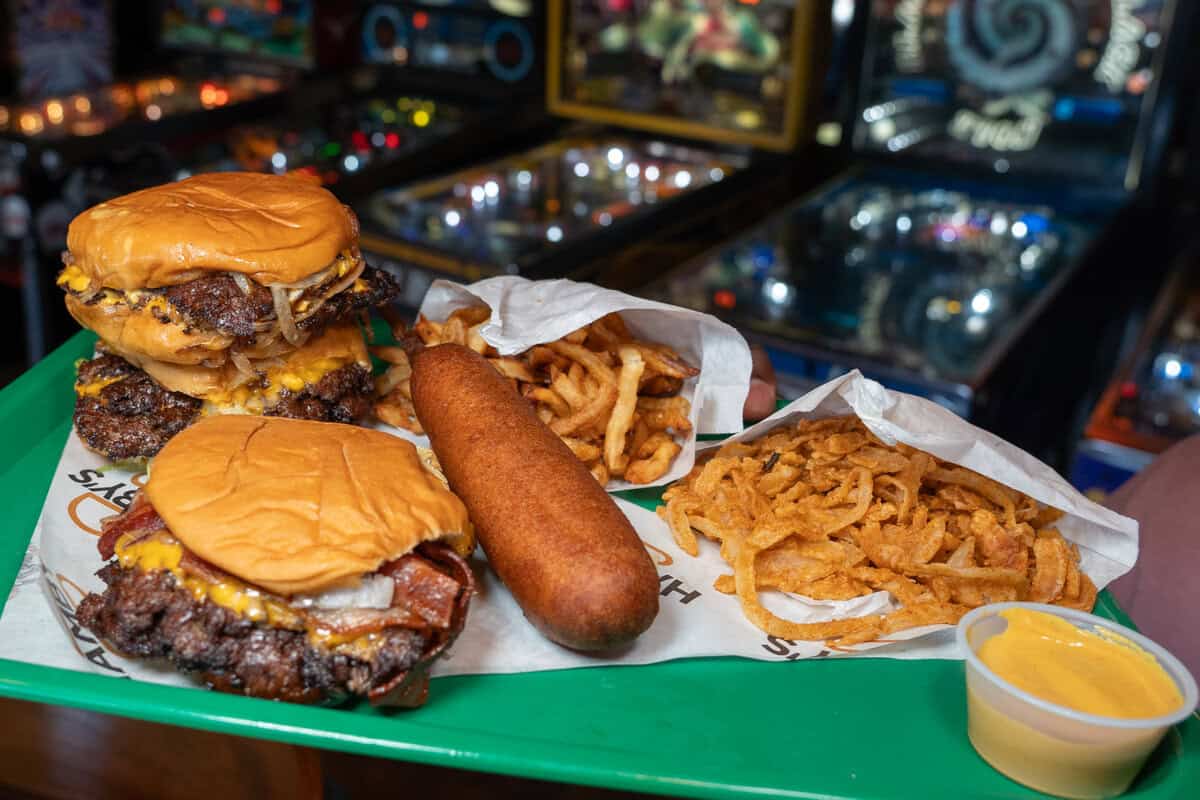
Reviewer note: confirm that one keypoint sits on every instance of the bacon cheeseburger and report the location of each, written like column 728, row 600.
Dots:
column 290, row 560
column 211, row 286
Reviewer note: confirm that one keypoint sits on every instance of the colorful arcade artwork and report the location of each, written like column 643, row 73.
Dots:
column 1052, row 86
column 277, row 30
column 51, row 49
column 722, row 70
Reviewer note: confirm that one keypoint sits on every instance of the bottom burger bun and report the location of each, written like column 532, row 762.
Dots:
column 289, row 560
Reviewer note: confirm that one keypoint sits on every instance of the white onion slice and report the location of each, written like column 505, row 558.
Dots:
column 283, row 314
column 373, row 591
column 340, row 286
column 242, row 282
column 246, row 371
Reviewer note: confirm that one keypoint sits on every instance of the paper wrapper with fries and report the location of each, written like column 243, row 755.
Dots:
column 626, row 383
column 697, row 619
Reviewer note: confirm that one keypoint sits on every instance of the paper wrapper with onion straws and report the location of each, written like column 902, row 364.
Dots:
column 854, row 489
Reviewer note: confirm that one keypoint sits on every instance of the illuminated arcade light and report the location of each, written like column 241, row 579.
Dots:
column 652, row 173
column 153, row 112
column 615, row 156
column 860, row 220
column 83, row 105
column 216, row 15
column 420, row 20
column 4, row 116
column 580, row 209
column 54, row 112
column 278, row 160
column 976, row 325
column 1172, row 368
column 683, row 179
column 452, row 218
column 999, row 224
column 1019, row 229
column 31, row 123
column 604, row 218
column 378, row 139
column 777, row 291
column 524, row 178
column 420, row 118
column 477, row 194
column 554, row 233
column 491, row 189
column 632, row 170
column 716, row 174
column 582, row 170
column 903, row 224
column 208, row 94
column 166, row 86
column 981, row 303
column 392, row 140
column 350, row 163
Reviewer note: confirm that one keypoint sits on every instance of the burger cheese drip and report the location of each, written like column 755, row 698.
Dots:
column 293, row 302
column 161, row 551
column 257, row 398
column 93, row 388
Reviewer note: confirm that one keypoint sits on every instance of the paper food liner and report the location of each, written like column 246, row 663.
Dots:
column 526, row 313
column 694, row 619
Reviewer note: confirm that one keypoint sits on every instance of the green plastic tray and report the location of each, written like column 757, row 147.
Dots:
column 718, row 727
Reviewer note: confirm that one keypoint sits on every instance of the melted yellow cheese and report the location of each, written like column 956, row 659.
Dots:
column 358, row 286
column 256, row 399
column 162, row 552
column 73, row 278
column 93, row 388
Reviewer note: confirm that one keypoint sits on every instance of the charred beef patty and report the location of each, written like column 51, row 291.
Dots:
column 378, row 287
column 149, row 615
column 217, row 302
column 343, row 395
column 133, row 417
column 130, row 417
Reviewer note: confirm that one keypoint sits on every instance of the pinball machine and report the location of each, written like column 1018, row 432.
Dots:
column 669, row 113
column 997, row 148
column 430, row 86
column 1153, row 399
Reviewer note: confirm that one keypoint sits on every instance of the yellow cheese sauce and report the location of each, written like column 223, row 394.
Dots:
column 1099, row 673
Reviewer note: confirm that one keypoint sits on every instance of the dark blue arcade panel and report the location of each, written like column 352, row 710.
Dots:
column 911, row 276
column 1046, row 87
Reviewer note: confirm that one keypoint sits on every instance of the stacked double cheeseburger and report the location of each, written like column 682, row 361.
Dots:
column 231, row 293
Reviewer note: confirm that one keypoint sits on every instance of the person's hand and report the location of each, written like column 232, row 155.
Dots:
column 760, row 402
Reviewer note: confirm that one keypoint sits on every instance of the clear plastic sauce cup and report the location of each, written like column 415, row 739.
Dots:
column 1049, row 747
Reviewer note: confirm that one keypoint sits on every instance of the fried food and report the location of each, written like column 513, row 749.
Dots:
column 615, row 400
column 824, row 509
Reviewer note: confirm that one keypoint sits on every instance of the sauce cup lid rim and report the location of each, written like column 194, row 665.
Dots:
column 1179, row 673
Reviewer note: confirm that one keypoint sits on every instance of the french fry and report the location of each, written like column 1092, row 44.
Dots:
column 619, row 423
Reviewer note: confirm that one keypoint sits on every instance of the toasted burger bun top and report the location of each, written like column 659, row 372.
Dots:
column 339, row 345
column 273, row 228
column 297, row 507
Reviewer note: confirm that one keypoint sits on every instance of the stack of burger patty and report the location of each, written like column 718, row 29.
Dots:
column 223, row 293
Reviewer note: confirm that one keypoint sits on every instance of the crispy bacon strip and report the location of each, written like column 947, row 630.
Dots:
column 423, row 589
column 410, row 688
column 140, row 516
